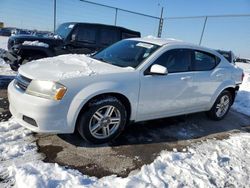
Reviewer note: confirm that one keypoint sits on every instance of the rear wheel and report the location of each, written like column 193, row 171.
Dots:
column 103, row 120
column 221, row 106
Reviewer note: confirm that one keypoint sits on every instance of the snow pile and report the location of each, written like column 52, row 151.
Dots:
column 5, row 68
column 3, row 42
column 17, row 146
column 48, row 175
column 35, row 43
column 61, row 67
column 3, row 45
column 68, row 66
column 212, row 163
column 242, row 101
column 10, row 135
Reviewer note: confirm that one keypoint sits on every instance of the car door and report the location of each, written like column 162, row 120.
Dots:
column 207, row 77
column 84, row 40
column 165, row 95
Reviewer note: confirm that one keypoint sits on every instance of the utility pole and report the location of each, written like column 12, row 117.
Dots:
column 160, row 24
column 203, row 30
column 116, row 12
column 54, row 16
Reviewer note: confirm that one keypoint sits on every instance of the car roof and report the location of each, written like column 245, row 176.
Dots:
column 171, row 41
column 164, row 41
column 158, row 41
column 103, row 25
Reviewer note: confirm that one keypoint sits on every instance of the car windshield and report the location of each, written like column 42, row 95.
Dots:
column 126, row 53
column 64, row 29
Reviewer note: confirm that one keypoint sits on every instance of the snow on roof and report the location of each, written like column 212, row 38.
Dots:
column 162, row 41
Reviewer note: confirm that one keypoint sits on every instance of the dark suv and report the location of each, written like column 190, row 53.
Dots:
column 78, row 38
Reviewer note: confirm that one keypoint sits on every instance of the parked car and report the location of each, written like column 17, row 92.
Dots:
column 21, row 32
column 6, row 31
column 79, row 38
column 242, row 60
column 133, row 80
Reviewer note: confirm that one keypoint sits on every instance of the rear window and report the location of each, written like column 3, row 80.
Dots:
column 227, row 55
column 203, row 61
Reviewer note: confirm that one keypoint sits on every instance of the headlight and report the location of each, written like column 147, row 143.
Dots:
column 46, row 89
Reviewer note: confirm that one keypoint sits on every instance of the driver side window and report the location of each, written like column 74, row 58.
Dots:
column 176, row 60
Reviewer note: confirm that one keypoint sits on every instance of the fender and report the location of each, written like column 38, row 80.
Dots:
column 27, row 49
column 96, row 89
column 222, row 87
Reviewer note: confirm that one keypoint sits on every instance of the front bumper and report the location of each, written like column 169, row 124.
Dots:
column 50, row 116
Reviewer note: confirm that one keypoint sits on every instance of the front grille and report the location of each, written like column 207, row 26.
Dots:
column 22, row 82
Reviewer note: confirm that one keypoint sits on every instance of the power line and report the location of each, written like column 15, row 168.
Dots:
column 120, row 9
column 208, row 16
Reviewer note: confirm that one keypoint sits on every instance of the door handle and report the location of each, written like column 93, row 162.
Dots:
column 186, row 78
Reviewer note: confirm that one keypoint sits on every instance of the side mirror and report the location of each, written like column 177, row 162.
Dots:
column 158, row 70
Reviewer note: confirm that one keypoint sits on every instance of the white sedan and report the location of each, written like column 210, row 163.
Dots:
column 130, row 81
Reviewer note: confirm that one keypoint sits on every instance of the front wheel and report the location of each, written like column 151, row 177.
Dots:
column 221, row 106
column 103, row 121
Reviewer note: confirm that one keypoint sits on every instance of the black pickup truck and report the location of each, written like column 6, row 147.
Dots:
column 77, row 38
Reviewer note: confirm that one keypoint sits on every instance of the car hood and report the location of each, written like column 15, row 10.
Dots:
column 19, row 39
column 68, row 66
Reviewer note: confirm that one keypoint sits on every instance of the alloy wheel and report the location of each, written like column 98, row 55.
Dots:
column 222, row 106
column 104, row 122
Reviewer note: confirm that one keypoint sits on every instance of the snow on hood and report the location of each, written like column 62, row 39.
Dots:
column 67, row 66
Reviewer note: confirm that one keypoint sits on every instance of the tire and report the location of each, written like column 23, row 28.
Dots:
column 221, row 106
column 95, row 123
column 14, row 67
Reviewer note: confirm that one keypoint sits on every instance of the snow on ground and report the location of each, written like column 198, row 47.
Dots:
column 242, row 101
column 4, row 68
column 211, row 163
column 3, row 42
column 17, row 146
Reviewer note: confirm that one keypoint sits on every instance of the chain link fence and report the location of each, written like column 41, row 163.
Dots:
column 226, row 32
column 222, row 32
column 48, row 14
